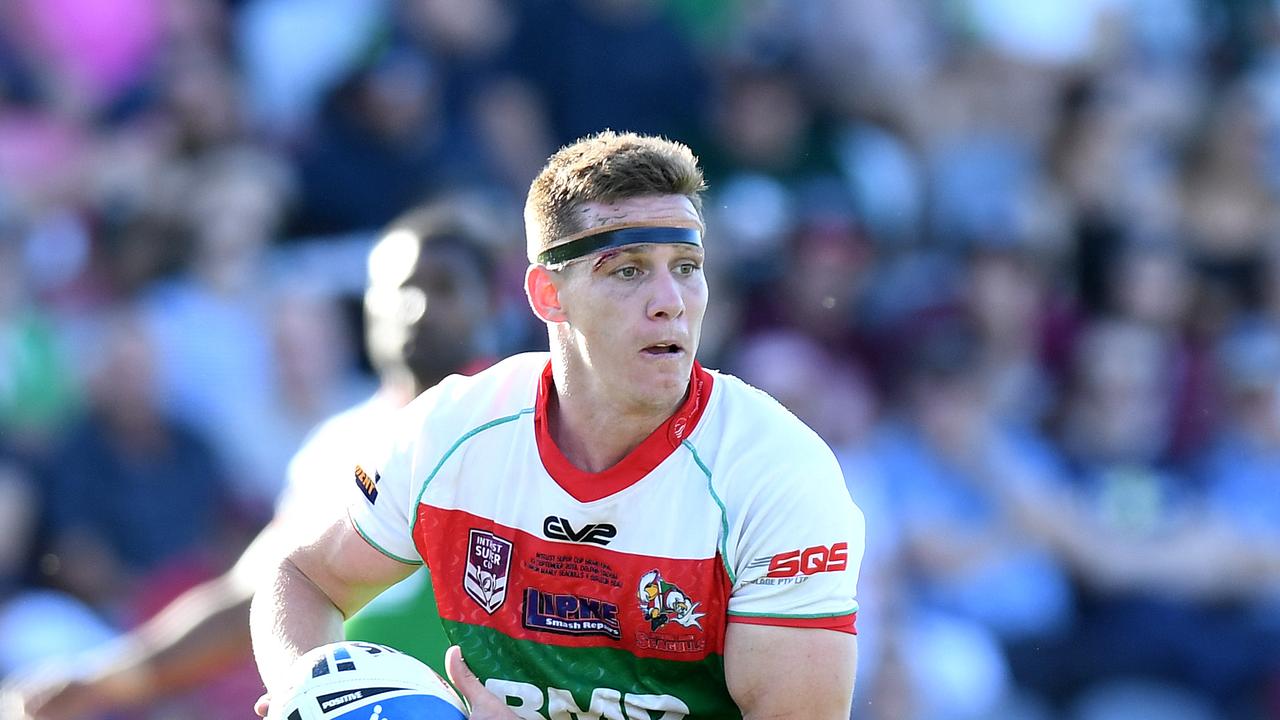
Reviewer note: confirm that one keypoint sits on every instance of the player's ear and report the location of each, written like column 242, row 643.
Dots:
column 544, row 296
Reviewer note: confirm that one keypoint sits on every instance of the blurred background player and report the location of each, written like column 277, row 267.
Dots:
column 428, row 311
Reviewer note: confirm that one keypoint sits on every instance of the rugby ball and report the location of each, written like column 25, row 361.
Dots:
column 364, row 681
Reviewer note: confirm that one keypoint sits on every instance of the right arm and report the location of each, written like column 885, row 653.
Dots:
column 305, row 597
column 328, row 570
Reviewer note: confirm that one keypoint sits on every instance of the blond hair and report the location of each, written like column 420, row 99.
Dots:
column 605, row 167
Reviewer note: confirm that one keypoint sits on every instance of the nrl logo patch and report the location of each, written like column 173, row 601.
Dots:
column 488, row 564
column 368, row 485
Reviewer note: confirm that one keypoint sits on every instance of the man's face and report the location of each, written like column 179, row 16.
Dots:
column 429, row 320
column 634, row 314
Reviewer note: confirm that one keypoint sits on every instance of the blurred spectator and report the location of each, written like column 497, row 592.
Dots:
column 612, row 64
column 1006, row 297
column 130, row 491
column 199, row 95
column 895, row 44
column 975, row 575
column 513, row 132
column 287, row 73
column 1229, row 205
column 426, row 309
column 498, row 121
column 1166, row 579
column 815, row 279
column 886, row 181
column 19, row 513
column 1117, row 425
column 37, row 388
column 1241, row 468
column 1151, row 283
column 764, row 123
column 467, row 40
column 215, row 364
column 92, row 51
column 380, row 143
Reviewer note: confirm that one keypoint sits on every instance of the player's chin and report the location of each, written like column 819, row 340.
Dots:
column 664, row 384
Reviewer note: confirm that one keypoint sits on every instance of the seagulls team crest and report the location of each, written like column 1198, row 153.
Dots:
column 664, row 602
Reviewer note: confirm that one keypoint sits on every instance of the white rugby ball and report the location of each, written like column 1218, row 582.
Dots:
column 364, row 681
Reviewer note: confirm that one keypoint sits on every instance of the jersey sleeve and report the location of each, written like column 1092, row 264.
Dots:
column 316, row 477
column 388, row 478
column 795, row 545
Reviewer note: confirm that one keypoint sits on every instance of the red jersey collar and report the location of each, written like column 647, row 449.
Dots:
column 588, row 486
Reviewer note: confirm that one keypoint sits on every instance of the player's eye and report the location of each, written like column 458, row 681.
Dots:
column 627, row 272
column 688, row 267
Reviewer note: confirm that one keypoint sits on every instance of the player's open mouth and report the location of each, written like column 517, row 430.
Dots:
column 663, row 349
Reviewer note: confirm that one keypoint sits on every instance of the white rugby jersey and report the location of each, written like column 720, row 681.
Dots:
column 607, row 594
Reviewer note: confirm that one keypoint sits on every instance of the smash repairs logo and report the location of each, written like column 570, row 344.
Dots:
column 368, row 485
column 488, row 565
column 570, row 614
column 663, row 602
column 795, row 566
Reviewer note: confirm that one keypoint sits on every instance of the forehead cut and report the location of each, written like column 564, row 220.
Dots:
column 680, row 251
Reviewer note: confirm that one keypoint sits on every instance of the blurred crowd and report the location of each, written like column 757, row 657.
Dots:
column 1018, row 262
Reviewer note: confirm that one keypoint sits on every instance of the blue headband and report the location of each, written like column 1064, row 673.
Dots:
column 617, row 238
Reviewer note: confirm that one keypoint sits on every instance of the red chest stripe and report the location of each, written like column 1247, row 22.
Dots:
column 572, row 594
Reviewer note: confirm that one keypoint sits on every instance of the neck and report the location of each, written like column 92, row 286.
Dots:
column 593, row 430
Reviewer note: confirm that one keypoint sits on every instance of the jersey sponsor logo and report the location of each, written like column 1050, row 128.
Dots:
column 570, row 614
column 686, row 643
column 488, row 565
column 806, row 562
column 368, row 485
column 663, row 602
column 529, row 701
column 558, row 528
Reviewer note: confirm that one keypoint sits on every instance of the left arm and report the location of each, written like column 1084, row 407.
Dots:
column 788, row 673
column 793, row 549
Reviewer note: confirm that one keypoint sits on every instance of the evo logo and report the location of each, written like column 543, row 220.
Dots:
column 557, row 528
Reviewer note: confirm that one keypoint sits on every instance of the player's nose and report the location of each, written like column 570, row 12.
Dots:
column 666, row 300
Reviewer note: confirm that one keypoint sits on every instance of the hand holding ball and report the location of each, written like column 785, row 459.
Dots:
column 364, row 681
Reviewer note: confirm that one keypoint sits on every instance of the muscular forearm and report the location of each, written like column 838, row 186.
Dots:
column 280, row 636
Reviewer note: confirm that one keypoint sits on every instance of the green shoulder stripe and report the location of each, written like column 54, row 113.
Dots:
column 724, row 514
column 381, row 549
column 800, row 616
